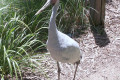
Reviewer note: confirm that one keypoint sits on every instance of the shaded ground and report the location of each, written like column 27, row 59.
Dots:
column 99, row 62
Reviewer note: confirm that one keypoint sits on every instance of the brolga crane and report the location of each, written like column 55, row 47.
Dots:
column 61, row 47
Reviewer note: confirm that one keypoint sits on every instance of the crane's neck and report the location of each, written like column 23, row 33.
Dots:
column 52, row 24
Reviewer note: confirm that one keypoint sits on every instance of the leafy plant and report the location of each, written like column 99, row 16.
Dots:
column 17, row 40
column 72, row 15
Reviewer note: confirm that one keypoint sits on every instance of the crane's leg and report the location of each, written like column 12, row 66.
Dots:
column 59, row 70
column 77, row 63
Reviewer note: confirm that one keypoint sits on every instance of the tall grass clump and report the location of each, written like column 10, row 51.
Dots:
column 72, row 15
column 18, row 37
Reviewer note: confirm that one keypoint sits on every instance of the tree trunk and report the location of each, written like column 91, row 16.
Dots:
column 97, row 12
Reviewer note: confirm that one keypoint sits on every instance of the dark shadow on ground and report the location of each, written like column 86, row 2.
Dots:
column 108, row 1
column 79, row 31
column 100, row 36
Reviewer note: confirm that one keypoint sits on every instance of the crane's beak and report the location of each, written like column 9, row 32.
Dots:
column 44, row 7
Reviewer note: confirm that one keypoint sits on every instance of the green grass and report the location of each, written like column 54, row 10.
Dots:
column 72, row 14
column 17, row 39
column 22, row 33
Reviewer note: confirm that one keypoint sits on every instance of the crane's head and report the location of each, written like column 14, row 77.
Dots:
column 48, row 3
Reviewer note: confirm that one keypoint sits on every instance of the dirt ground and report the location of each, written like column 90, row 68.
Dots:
column 101, row 54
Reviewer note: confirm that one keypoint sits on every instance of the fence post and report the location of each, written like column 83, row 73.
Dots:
column 97, row 12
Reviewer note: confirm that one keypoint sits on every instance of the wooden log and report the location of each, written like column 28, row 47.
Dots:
column 97, row 12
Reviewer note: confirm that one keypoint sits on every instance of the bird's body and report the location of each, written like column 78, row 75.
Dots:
column 61, row 47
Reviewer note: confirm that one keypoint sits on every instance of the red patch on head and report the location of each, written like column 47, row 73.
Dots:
column 53, row 1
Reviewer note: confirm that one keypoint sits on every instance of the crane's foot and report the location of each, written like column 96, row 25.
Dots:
column 77, row 63
column 59, row 70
